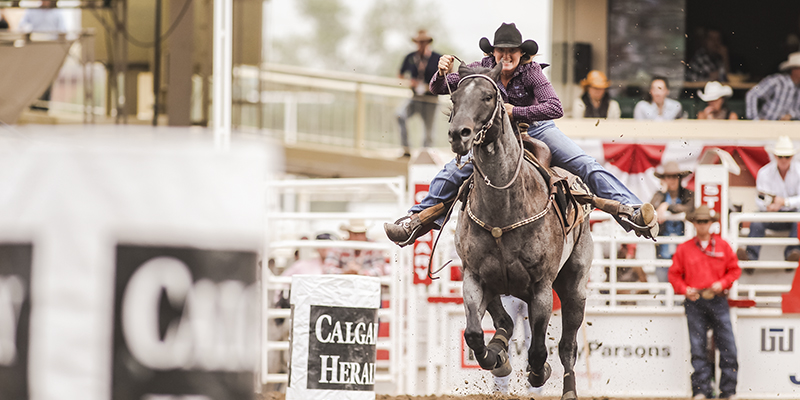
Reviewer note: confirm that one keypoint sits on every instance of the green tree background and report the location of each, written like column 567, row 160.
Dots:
column 375, row 44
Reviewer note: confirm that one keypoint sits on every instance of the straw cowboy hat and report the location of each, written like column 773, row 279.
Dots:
column 422, row 36
column 792, row 62
column 784, row 147
column 703, row 213
column 508, row 36
column 714, row 90
column 355, row 226
column 596, row 79
column 672, row 168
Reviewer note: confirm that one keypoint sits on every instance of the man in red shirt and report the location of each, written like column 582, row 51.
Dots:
column 703, row 269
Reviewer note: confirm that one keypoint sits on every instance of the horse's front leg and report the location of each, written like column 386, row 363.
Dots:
column 539, row 309
column 503, row 330
column 475, row 307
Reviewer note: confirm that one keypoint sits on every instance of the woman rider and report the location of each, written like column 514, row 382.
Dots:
column 528, row 97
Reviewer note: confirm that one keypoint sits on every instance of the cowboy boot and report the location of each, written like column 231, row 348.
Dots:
column 642, row 219
column 407, row 229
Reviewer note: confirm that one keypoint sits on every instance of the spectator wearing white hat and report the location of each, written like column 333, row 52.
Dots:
column 715, row 94
column 779, row 93
column 778, row 185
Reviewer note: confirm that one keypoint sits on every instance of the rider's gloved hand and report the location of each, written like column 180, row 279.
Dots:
column 445, row 63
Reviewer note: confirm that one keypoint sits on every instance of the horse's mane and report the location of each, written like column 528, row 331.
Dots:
column 466, row 70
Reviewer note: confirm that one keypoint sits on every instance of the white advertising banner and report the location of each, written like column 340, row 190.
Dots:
column 128, row 265
column 334, row 336
column 769, row 357
column 630, row 355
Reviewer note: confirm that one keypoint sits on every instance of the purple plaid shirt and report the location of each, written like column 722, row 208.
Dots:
column 530, row 92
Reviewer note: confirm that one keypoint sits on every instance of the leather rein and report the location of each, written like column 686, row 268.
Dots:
column 497, row 232
column 480, row 136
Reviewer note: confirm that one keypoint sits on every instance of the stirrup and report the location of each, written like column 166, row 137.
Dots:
column 405, row 230
column 636, row 218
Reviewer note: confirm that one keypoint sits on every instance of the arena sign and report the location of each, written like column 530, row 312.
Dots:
column 15, row 310
column 341, row 348
column 334, row 337
column 128, row 266
column 615, row 344
column 186, row 322
column 768, row 355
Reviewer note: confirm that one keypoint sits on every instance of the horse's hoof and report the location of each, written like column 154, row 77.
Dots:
column 571, row 395
column 537, row 380
column 505, row 366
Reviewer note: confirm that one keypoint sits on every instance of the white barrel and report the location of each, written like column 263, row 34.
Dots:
column 334, row 336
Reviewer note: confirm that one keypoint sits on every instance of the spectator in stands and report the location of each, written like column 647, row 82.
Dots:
column 419, row 66
column 710, row 62
column 778, row 185
column 356, row 261
column 595, row 101
column 48, row 19
column 777, row 97
column 657, row 106
column 313, row 266
column 703, row 269
column 306, row 266
column 715, row 94
column 673, row 199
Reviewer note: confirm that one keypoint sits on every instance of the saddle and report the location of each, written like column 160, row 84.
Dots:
column 571, row 197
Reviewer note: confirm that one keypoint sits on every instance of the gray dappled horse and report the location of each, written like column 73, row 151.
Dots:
column 530, row 254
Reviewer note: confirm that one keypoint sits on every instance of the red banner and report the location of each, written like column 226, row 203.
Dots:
column 423, row 245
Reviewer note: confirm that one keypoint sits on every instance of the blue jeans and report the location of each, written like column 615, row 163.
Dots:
column 757, row 229
column 426, row 110
column 566, row 154
column 702, row 315
column 671, row 228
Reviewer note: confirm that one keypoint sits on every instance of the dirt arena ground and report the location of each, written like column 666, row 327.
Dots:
column 280, row 396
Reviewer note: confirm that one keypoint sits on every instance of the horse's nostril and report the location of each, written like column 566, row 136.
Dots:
column 466, row 132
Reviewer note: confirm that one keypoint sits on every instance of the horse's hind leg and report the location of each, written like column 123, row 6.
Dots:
column 572, row 306
column 539, row 309
column 570, row 286
column 475, row 305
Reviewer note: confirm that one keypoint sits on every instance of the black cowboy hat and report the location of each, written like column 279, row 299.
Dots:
column 508, row 36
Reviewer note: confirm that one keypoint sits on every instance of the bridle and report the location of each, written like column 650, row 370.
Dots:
column 480, row 136
column 496, row 232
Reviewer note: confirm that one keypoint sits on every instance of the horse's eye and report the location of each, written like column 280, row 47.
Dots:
column 487, row 98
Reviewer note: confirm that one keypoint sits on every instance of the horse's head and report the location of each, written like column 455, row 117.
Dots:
column 476, row 105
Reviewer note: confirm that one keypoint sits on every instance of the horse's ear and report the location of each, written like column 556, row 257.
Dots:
column 495, row 72
column 463, row 70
